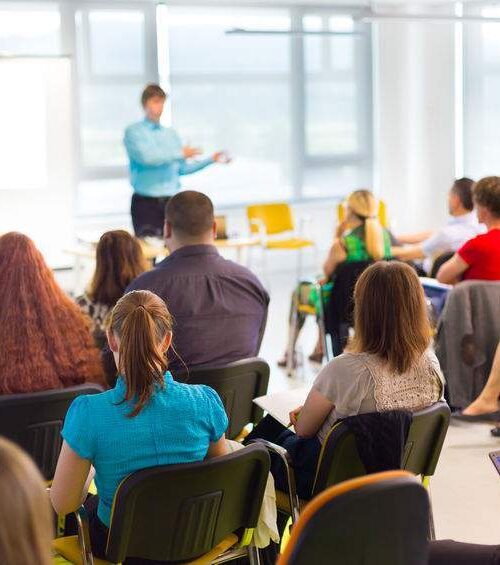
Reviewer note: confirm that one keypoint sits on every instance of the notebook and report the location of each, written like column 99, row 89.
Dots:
column 280, row 404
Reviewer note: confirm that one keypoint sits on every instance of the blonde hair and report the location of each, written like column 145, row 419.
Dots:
column 26, row 528
column 364, row 205
column 390, row 315
column 142, row 322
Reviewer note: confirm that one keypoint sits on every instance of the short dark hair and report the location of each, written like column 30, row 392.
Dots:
column 487, row 194
column 190, row 213
column 463, row 189
column 151, row 91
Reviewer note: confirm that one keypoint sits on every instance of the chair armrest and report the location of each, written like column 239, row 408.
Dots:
column 82, row 521
column 283, row 454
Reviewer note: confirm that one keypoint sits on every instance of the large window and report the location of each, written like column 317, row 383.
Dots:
column 482, row 94
column 115, row 59
column 29, row 32
column 232, row 91
column 28, row 28
column 338, row 105
column 286, row 91
column 294, row 109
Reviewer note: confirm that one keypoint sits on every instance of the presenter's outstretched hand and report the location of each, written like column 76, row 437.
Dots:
column 190, row 152
column 221, row 157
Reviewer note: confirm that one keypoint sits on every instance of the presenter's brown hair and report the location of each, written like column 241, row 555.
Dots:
column 45, row 339
column 151, row 91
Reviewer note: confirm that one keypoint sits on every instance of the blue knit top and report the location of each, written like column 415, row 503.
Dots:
column 175, row 426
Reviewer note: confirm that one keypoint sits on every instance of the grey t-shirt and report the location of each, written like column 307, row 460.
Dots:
column 358, row 383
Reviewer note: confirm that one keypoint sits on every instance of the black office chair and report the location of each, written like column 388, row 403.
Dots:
column 237, row 384
column 379, row 519
column 34, row 421
column 204, row 511
column 439, row 261
column 340, row 308
column 340, row 460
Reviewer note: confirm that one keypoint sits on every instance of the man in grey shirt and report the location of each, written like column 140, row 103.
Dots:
column 462, row 225
column 219, row 307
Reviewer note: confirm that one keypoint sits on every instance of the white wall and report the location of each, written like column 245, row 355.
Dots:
column 44, row 210
column 415, row 120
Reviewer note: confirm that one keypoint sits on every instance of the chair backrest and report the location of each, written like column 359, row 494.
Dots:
column 340, row 459
column 381, row 519
column 438, row 261
column 34, row 421
column 179, row 512
column 237, row 384
column 425, row 439
column 382, row 213
column 276, row 218
column 340, row 307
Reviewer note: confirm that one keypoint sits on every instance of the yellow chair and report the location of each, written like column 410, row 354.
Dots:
column 382, row 213
column 274, row 225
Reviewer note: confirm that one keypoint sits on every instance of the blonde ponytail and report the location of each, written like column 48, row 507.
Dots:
column 365, row 206
column 142, row 322
column 374, row 238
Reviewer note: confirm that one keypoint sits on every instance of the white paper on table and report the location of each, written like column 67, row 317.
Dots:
column 280, row 404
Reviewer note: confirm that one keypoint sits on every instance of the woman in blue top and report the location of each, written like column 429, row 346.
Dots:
column 147, row 420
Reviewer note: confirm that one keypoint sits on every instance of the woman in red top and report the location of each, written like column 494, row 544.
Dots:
column 479, row 258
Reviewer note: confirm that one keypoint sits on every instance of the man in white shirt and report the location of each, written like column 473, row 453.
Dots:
column 461, row 227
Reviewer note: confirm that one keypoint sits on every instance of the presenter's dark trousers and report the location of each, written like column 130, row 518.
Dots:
column 148, row 215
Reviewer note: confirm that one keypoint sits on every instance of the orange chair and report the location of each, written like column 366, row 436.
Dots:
column 379, row 519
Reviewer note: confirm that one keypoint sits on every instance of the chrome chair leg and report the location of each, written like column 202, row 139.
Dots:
column 82, row 521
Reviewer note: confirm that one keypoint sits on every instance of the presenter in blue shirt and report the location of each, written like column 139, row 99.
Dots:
column 157, row 160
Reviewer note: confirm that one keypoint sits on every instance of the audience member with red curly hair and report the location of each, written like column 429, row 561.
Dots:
column 46, row 340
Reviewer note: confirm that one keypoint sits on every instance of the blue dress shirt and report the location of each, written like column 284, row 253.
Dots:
column 176, row 426
column 156, row 159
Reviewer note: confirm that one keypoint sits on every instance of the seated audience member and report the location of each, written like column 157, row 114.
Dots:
column 360, row 237
column 148, row 419
column 485, row 407
column 462, row 226
column 388, row 366
column 46, row 340
column 119, row 260
column 479, row 258
column 219, row 307
column 26, row 522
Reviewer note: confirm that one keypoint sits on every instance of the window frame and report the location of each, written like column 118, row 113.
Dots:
column 299, row 159
column 83, row 75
